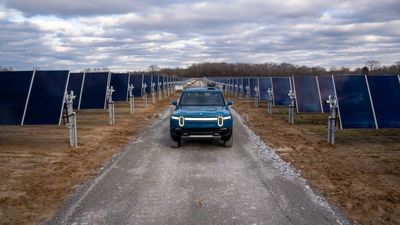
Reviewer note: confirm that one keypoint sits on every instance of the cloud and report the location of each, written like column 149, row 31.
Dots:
column 132, row 35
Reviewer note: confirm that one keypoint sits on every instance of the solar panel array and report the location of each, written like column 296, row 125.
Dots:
column 37, row 97
column 363, row 101
column 32, row 97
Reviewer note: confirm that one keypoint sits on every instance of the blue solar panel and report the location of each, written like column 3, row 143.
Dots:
column 307, row 94
column 385, row 93
column 240, row 81
column 46, row 100
column 119, row 81
column 325, row 84
column 281, row 87
column 75, row 85
column 265, row 83
column 355, row 108
column 147, row 81
column 14, row 88
column 136, row 80
column 245, row 82
column 253, row 84
column 94, row 90
column 155, row 81
column 161, row 81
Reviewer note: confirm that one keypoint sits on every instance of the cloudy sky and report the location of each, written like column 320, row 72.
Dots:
column 132, row 34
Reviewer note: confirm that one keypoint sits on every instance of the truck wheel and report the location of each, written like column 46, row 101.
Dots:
column 175, row 144
column 228, row 143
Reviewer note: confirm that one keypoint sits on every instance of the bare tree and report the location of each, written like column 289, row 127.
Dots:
column 372, row 64
column 153, row 68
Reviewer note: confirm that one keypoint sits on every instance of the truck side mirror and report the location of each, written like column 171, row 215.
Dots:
column 229, row 102
column 174, row 102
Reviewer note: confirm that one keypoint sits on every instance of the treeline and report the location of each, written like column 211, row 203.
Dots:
column 220, row 69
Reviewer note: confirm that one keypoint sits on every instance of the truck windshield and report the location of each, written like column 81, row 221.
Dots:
column 202, row 99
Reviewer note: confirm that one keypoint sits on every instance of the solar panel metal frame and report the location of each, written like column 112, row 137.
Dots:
column 27, row 98
column 76, row 101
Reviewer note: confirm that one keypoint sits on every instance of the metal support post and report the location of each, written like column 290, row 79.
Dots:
column 240, row 91
column 270, row 100
column 110, row 104
column 235, row 90
column 131, row 98
column 332, row 101
column 292, row 106
column 153, row 93
column 248, row 94
column 160, row 94
column 71, row 116
column 144, row 86
column 257, row 99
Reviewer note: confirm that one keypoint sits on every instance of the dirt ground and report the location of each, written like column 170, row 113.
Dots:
column 38, row 169
column 360, row 174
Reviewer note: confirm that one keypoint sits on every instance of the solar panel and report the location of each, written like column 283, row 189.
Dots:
column 136, row 80
column 94, row 90
column 147, row 81
column 240, row 81
column 325, row 84
column 355, row 109
column 265, row 83
column 253, row 84
column 307, row 94
column 281, row 87
column 119, row 81
column 385, row 93
column 46, row 98
column 155, row 81
column 75, row 85
column 161, row 81
column 14, row 88
column 246, row 82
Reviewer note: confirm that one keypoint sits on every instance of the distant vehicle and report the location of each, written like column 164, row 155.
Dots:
column 201, row 113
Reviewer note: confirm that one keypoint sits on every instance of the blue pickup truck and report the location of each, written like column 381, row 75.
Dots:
column 201, row 113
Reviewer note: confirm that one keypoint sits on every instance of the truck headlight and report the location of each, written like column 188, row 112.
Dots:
column 181, row 121
column 220, row 121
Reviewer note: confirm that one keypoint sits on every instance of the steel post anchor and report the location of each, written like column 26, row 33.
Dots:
column 131, row 98
column 292, row 106
column 110, row 105
column 270, row 100
column 71, row 115
column 332, row 101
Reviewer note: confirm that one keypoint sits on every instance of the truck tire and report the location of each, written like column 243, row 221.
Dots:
column 175, row 144
column 229, row 143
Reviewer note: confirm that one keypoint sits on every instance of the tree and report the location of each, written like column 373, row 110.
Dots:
column 153, row 68
column 397, row 64
column 372, row 64
column 364, row 70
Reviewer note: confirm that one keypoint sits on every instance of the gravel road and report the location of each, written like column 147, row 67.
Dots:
column 199, row 183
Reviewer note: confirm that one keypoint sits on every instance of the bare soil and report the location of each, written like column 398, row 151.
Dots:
column 38, row 169
column 360, row 174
